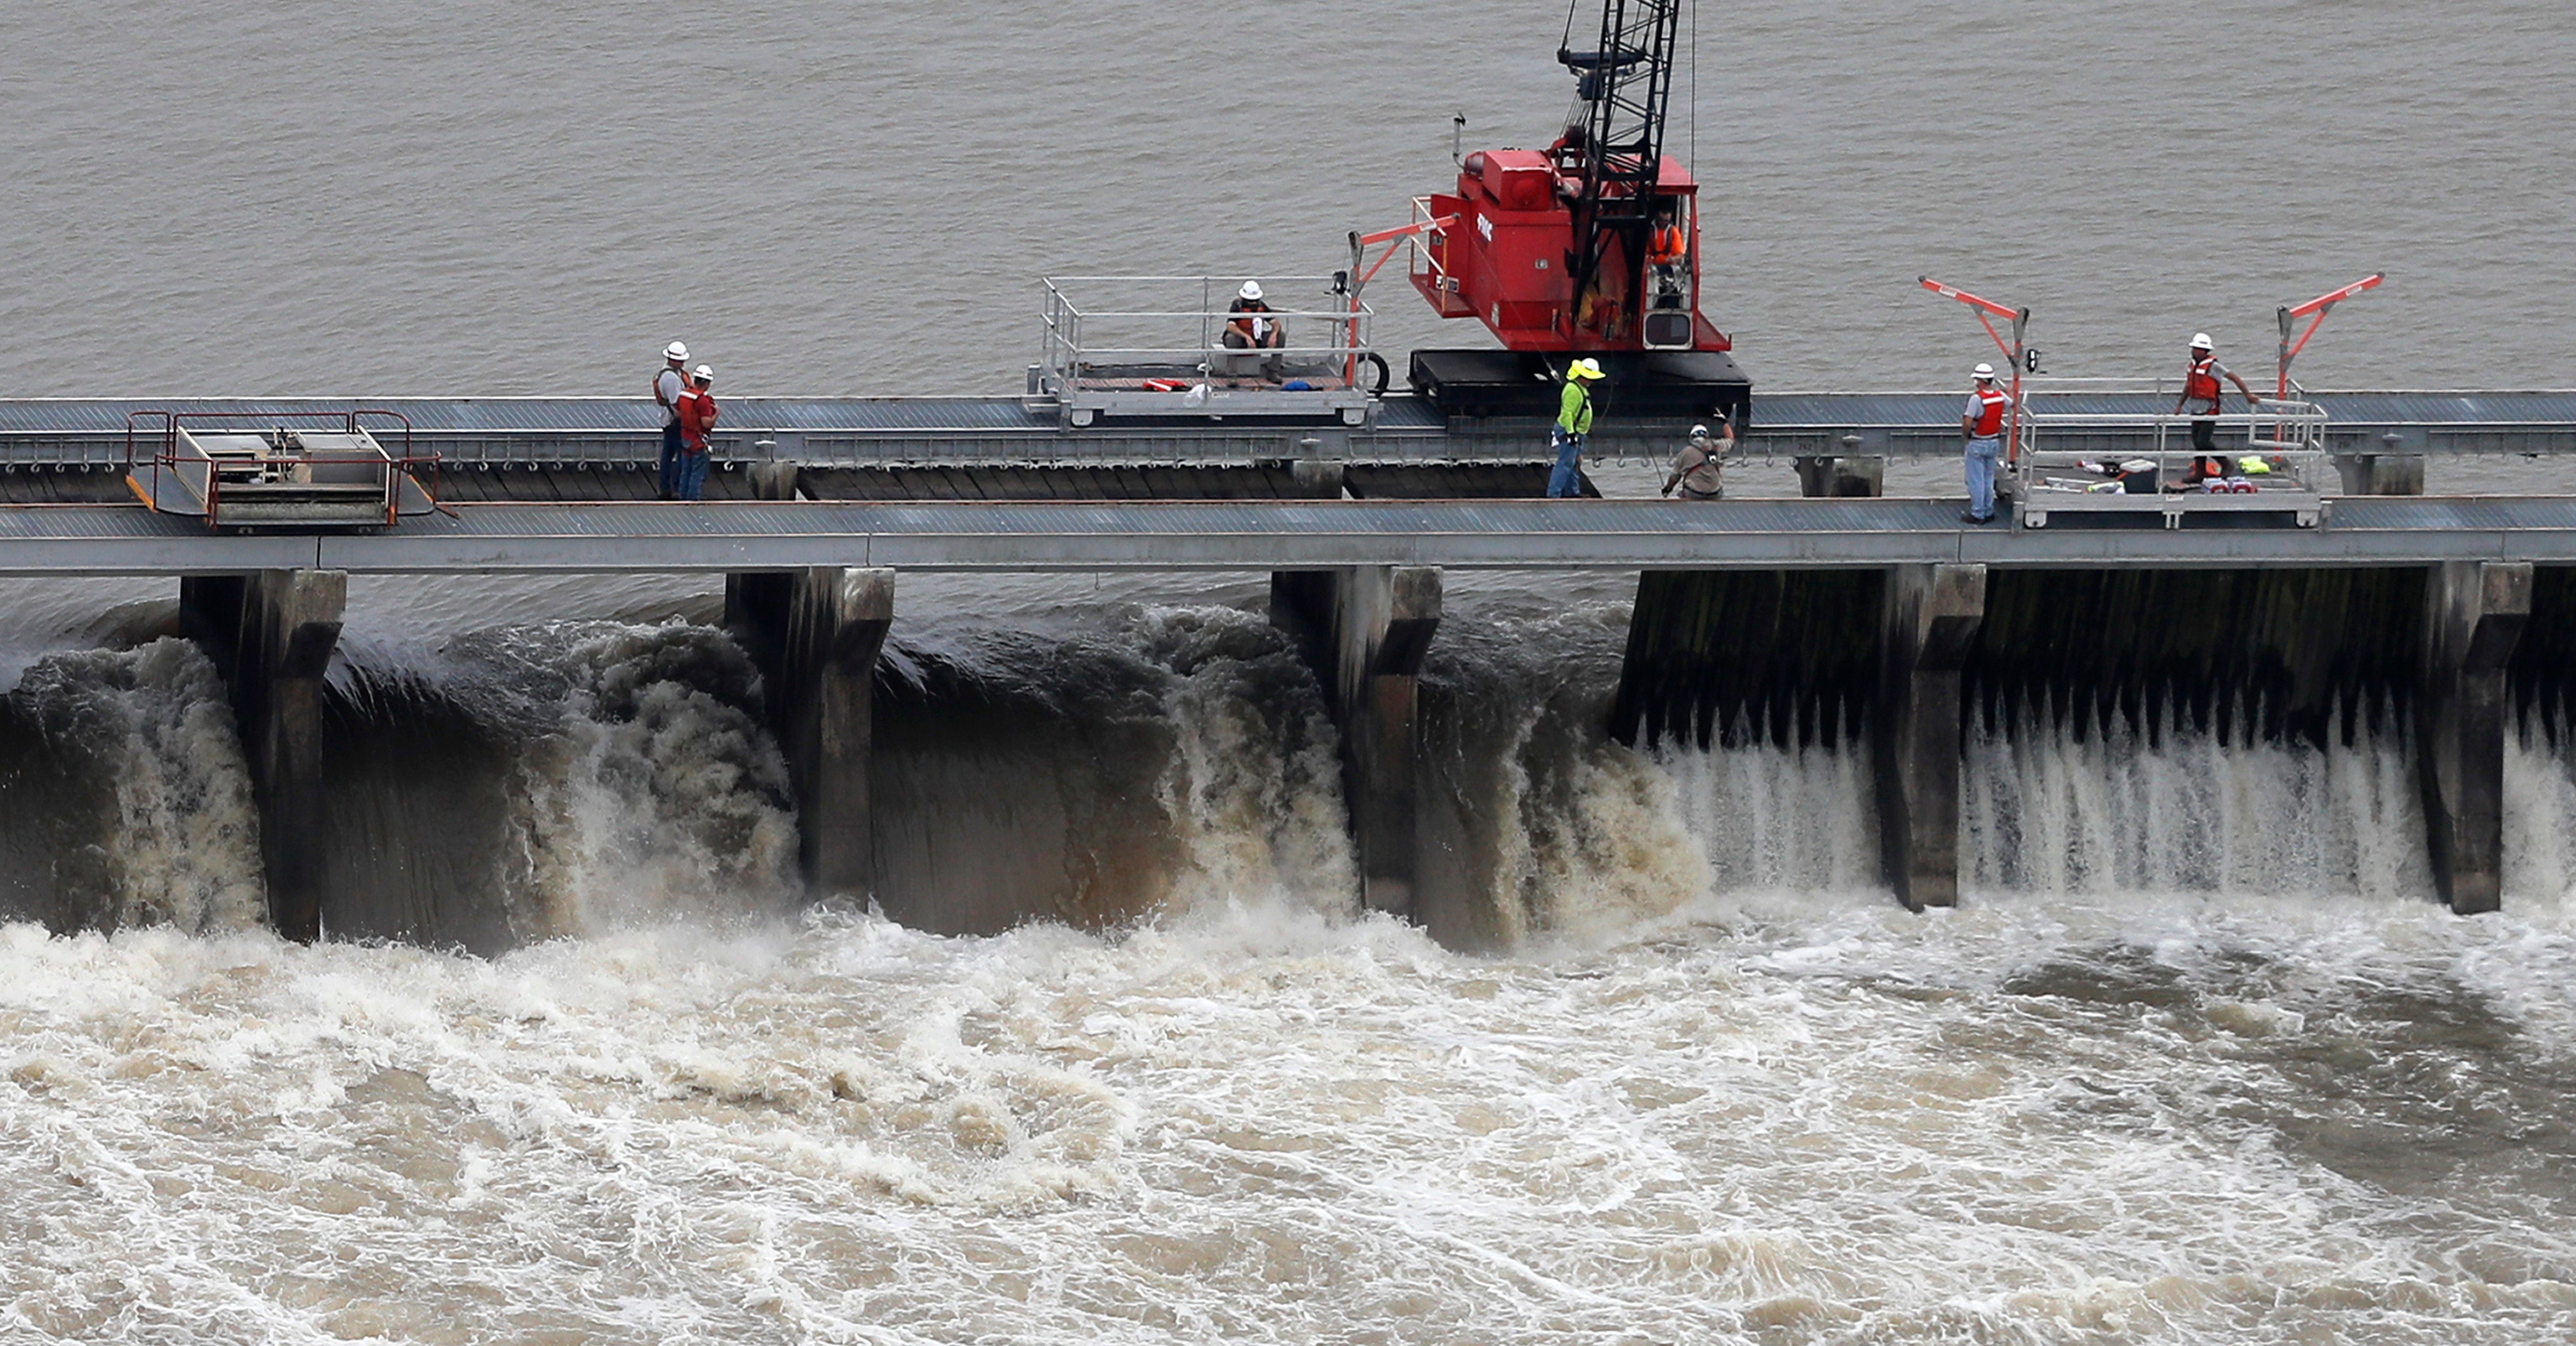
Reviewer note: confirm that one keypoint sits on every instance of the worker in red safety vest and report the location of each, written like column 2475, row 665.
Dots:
column 1981, row 424
column 2200, row 393
column 697, row 419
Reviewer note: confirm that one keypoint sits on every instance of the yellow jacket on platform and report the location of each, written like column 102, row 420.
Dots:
column 1574, row 415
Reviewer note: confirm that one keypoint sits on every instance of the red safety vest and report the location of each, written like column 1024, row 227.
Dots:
column 1990, row 416
column 697, row 417
column 2201, row 385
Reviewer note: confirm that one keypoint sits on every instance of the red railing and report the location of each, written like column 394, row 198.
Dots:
column 166, row 456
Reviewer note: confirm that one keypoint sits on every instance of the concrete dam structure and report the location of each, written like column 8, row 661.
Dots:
column 1857, row 624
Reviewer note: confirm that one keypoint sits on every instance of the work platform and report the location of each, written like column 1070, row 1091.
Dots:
column 1267, row 535
column 545, row 432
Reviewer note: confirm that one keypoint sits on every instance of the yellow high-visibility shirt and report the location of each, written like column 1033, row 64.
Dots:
column 1574, row 413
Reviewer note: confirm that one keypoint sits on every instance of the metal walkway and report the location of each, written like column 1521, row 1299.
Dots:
column 1265, row 535
column 902, row 431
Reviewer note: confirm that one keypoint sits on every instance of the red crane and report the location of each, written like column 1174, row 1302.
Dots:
column 1589, row 247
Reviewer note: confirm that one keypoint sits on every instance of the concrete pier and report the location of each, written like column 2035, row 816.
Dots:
column 1820, row 477
column 815, row 634
column 2474, row 614
column 271, row 634
column 2382, row 473
column 1929, row 623
column 1365, row 629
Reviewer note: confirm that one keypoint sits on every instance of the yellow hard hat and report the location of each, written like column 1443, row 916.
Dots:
column 1585, row 368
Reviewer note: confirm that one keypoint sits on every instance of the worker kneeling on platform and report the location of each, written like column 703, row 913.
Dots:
column 1572, row 429
column 1981, row 424
column 1696, row 468
column 697, row 421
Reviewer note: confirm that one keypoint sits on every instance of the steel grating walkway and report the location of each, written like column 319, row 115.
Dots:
column 1001, row 431
column 1265, row 535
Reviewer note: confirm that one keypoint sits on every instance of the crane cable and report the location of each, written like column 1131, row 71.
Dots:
column 1564, row 44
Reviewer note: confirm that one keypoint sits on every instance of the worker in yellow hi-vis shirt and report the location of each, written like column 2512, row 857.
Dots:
column 1573, row 425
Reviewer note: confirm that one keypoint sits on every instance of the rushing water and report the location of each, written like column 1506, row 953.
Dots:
column 2197, row 1060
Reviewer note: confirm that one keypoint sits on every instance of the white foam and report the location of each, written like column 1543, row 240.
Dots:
column 182, row 845
column 2042, row 811
column 2539, row 822
column 1252, row 786
column 652, row 798
column 2038, row 1118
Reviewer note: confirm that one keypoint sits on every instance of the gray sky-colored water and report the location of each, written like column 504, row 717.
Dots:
column 490, row 198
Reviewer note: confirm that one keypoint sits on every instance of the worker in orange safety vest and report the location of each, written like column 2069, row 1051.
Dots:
column 2200, row 393
column 1666, row 248
column 1981, row 424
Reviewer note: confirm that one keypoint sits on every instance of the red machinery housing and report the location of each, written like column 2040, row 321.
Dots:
column 1510, row 260
column 1590, row 247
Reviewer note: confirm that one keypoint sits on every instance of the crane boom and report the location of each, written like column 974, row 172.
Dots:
column 1614, row 144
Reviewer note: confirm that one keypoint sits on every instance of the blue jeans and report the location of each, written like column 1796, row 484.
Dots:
column 1983, row 455
column 1566, row 482
column 669, row 484
column 692, row 474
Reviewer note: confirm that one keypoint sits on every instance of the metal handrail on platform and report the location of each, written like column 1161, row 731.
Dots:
column 168, row 458
column 1156, row 346
column 2272, row 458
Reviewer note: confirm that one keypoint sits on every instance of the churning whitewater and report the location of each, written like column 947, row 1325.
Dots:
column 2199, row 1058
column 1708, row 1083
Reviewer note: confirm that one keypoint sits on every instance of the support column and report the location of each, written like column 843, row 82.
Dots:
column 2474, row 614
column 271, row 634
column 1365, row 629
column 1929, row 620
column 815, row 634
column 1317, row 478
column 1820, row 476
column 773, row 480
column 2381, row 473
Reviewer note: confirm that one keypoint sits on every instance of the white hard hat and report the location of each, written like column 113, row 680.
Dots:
column 1585, row 368
column 677, row 350
column 706, row 374
column 2200, row 341
column 1699, row 432
column 1983, row 371
column 1251, row 290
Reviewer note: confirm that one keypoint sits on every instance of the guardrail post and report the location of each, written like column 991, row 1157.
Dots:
column 1364, row 630
column 1930, row 617
column 271, row 634
column 2474, row 615
column 815, row 634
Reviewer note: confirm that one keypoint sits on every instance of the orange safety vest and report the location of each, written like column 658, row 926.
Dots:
column 1666, row 246
column 1990, row 415
column 2201, row 385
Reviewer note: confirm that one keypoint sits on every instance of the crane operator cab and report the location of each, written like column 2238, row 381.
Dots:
column 1671, row 279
